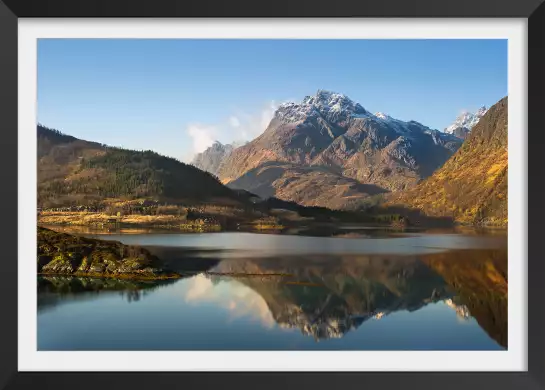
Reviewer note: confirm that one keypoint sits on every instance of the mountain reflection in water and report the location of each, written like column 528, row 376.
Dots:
column 323, row 297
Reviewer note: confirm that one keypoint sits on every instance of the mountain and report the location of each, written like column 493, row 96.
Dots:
column 328, row 132
column 463, row 124
column 472, row 185
column 74, row 171
column 211, row 159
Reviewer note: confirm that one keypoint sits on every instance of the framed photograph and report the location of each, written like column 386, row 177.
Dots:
column 310, row 196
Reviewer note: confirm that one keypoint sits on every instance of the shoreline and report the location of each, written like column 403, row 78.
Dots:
column 111, row 276
column 169, row 222
column 91, row 222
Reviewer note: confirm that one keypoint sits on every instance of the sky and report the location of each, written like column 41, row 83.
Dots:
column 176, row 96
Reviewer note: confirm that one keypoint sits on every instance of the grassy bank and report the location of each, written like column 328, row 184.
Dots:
column 102, row 220
column 86, row 218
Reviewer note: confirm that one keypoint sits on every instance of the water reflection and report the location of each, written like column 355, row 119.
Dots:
column 55, row 290
column 324, row 298
column 329, row 296
column 479, row 279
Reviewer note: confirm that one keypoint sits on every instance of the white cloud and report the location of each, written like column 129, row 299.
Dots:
column 238, row 299
column 237, row 128
column 202, row 136
column 201, row 288
column 248, row 303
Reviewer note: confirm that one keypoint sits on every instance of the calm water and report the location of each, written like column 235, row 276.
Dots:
column 359, row 290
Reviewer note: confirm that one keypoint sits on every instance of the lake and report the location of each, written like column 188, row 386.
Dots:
column 348, row 289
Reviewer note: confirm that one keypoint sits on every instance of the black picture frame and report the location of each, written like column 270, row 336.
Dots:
column 532, row 10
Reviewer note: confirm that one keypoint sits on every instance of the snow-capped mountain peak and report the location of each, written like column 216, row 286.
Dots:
column 466, row 120
column 339, row 109
column 325, row 103
column 332, row 101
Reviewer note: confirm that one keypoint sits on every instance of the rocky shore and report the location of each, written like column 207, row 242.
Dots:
column 66, row 254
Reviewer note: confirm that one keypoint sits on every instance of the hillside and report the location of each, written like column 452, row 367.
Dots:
column 472, row 185
column 330, row 132
column 309, row 186
column 74, row 171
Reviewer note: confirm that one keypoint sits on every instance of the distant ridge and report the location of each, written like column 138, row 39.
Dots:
column 212, row 158
column 465, row 122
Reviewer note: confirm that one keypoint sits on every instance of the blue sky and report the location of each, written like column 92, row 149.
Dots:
column 176, row 96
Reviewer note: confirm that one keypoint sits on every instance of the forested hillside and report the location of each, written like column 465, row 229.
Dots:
column 74, row 171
